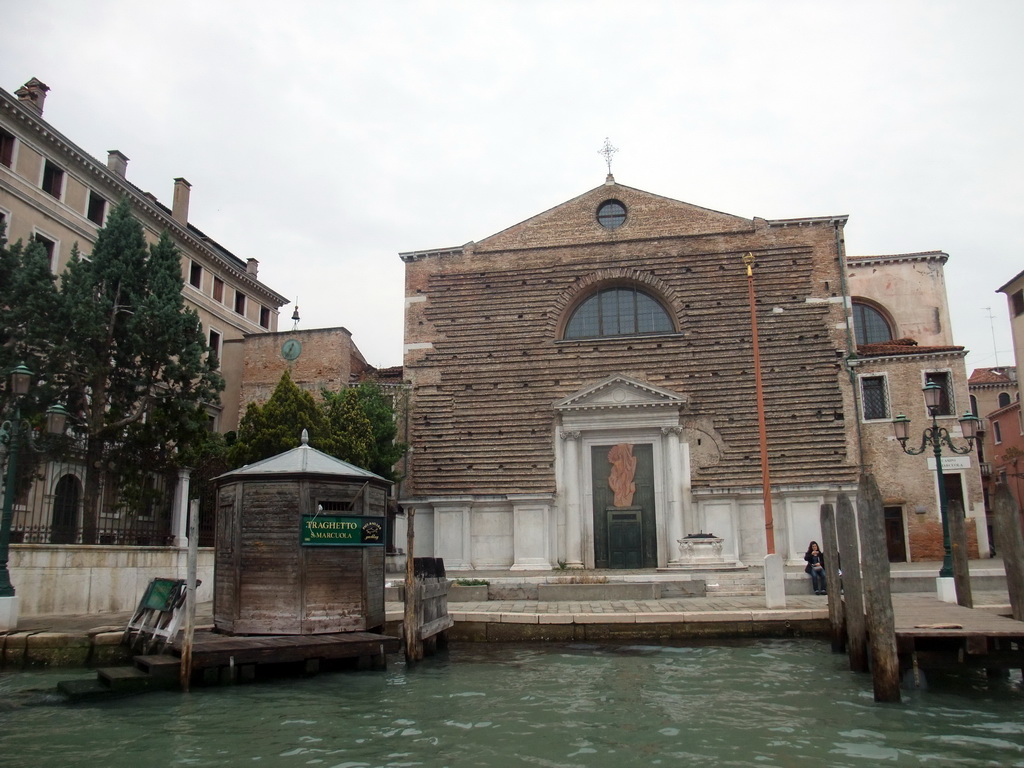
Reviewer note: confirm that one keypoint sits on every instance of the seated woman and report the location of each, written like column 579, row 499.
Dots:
column 816, row 568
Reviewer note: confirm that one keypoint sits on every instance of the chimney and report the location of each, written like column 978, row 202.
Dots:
column 32, row 95
column 252, row 267
column 179, row 209
column 117, row 163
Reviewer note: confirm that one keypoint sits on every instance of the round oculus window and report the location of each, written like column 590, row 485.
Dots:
column 611, row 214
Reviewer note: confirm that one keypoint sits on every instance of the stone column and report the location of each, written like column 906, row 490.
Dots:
column 179, row 509
column 573, row 523
column 674, row 522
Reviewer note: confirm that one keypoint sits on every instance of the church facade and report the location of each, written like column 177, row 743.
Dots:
column 615, row 328
column 583, row 389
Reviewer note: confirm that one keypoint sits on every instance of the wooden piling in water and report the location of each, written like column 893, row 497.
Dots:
column 185, row 671
column 880, row 623
column 411, row 622
column 833, row 580
column 853, row 591
column 1010, row 546
column 958, row 547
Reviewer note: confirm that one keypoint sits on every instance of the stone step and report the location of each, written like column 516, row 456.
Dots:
column 85, row 690
column 125, row 679
column 159, row 666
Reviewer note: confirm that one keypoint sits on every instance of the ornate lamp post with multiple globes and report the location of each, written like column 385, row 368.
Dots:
column 935, row 437
column 11, row 431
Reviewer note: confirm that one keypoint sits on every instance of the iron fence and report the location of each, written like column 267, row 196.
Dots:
column 50, row 508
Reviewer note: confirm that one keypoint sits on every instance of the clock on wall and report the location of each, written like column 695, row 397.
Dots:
column 291, row 349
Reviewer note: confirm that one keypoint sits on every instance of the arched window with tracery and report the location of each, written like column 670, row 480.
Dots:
column 619, row 311
column 870, row 325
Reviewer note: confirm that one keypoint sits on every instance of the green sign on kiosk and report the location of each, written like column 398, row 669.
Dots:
column 335, row 531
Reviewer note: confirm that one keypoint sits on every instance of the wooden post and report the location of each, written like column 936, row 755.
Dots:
column 853, row 589
column 411, row 622
column 958, row 548
column 881, row 624
column 1010, row 546
column 832, row 578
column 185, row 671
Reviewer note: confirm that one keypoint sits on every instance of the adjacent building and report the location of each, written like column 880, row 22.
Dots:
column 583, row 389
column 904, row 340
column 54, row 192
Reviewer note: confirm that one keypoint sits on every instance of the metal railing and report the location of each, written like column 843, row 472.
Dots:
column 49, row 507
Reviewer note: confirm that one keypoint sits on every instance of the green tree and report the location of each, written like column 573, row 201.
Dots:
column 378, row 407
column 356, row 425
column 29, row 305
column 131, row 358
column 350, row 428
column 276, row 426
column 29, row 312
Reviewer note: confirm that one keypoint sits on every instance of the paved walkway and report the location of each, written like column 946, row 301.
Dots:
column 689, row 609
column 678, row 609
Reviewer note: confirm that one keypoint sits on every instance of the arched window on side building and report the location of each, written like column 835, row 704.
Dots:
column 870, row 325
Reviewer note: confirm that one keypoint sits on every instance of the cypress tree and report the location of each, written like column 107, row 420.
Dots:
column 133, row 359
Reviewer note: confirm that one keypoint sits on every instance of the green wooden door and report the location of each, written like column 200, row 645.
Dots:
column 624, row 536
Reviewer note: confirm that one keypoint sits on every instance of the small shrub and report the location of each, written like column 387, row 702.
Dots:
column 472, row 582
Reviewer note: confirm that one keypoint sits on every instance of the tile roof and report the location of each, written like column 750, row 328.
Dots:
column 904, row 346
column 989, row 376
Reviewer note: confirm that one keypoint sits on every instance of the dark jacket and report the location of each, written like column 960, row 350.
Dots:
column 810, row 558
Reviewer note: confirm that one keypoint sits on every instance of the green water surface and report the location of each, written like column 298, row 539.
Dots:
column 754, row 703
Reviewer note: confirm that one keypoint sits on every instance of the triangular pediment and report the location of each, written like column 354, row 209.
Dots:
column 621, row 392
column 647, row 216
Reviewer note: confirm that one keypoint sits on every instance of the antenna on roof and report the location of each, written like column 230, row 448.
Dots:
column 992, row 325
column 608, row 151
column 295, row 315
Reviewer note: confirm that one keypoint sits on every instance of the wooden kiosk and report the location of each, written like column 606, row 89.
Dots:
column 300, row 546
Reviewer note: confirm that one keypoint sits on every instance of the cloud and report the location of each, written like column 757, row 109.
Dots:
column 324, row 138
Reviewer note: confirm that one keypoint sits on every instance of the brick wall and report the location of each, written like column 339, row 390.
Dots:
column 484, row 355
column 328, row 360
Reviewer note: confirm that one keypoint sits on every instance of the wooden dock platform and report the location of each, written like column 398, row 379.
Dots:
column 935, row 634
column 220, row 656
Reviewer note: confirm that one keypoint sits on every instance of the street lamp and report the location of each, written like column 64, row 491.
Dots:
column 935, row 437
column 10, row 432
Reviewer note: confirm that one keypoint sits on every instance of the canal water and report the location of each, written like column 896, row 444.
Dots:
column 750, row 703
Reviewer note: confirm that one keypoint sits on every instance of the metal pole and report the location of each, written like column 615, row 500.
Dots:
column 10, row 481
column 947, row 558
column 766, row 486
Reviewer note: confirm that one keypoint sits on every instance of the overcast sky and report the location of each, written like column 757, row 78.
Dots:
column 323, row 138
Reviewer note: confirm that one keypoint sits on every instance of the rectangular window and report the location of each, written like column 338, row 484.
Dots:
column 5, row 224
column 239, row 302
column 218, row 290
column 876, row 404
column 50, row 246
column 6, row 148
column 264, row 317
column 53, row 180
column 997, row 433
column 215, row 346
column 946, row 402
column 195, row 275
column 97, row 208
column 1017, row 299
